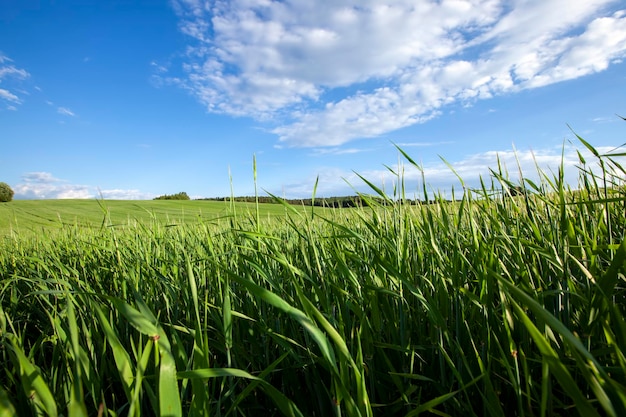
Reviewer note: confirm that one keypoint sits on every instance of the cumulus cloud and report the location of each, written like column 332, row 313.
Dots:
column 331, row 71
column 43, row 185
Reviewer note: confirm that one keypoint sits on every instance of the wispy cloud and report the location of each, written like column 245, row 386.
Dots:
column 10, row 76
column 43, row 185
column 337, row 151
column 606, row 119
column 423, row 144
column 8, row 96
column 400, row 63
column 65, row 111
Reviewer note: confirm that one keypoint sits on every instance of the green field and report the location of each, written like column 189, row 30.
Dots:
column 27, row 216
column 491, row 305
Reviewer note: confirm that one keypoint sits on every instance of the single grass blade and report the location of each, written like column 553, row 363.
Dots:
column 169, row 395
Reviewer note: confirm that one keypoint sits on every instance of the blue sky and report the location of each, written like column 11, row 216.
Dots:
column 134, row 99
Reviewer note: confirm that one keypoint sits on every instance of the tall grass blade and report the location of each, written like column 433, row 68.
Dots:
column 33, row 384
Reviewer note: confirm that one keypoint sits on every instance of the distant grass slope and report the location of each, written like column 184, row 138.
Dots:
column 25, row 216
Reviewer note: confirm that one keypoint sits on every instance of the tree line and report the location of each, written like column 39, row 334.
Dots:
column 178, row 196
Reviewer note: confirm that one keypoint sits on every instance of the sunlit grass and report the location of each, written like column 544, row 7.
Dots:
column 489, row 305
column 47, row 216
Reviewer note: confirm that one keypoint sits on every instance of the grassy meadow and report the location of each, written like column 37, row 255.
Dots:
column 490, row 305
column 48, row 216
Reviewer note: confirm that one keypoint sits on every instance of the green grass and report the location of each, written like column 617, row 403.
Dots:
column 490, row 305
column 25, row 216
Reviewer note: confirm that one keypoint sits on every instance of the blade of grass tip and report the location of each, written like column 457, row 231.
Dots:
column 585, row 143
column 378, row 191
column 317, row 179
column 33, row 383
column 284, row 203
column 451, row 168
column 408, row 158
column 396, row 191
column 256, row 195
column 232, row 192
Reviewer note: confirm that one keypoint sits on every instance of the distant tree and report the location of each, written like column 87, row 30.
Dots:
column 6, row 192
column 178, row 196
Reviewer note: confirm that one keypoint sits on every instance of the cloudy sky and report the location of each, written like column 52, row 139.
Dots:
column 138, row 98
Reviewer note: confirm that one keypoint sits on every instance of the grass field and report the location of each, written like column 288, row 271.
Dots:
column 27, row 216
column 491, row 305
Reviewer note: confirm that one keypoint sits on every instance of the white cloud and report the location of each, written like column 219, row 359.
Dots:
column 39, row 177
column 65, row 111
column 43, row 185
column 10, row 70
column 8, row 75
column 330, row 71
column 8, row 96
